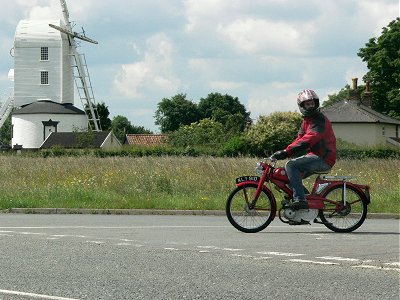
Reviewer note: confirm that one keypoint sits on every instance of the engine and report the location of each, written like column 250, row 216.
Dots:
column 298, row 216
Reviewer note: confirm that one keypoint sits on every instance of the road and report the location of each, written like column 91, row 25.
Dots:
column 68, row 257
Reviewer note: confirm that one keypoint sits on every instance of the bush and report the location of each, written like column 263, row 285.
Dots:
column 273, row 132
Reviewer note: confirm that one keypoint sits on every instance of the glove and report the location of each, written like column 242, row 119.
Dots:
column 281, row 154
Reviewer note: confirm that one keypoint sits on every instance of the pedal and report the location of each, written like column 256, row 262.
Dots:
column 320, row 222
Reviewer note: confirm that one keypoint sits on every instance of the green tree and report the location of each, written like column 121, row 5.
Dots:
column 273, row 132
column 5, row 132
column 104, row 114
column 175, row 112
column 121, row 126
column 343, row 94
column 382, row 56
column 206, row 133
column 226, row 110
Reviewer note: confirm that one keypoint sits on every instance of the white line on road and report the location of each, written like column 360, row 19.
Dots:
column 376, row 268
column 117, row 227
column 281, row 253
column 338, row 258
column 39, row 296
column 396, row 264
column 313, row 262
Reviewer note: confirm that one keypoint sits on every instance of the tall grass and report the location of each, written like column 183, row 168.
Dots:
column 168, row 182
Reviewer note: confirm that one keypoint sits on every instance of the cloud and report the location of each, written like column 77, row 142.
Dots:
column 264, row 36
column 154, row 74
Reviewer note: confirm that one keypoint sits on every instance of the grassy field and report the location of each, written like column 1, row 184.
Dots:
column 201, row 183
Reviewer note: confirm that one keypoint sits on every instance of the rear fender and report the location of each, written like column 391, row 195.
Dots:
column 363, row 189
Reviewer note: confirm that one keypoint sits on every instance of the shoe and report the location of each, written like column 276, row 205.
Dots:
column 299, row 205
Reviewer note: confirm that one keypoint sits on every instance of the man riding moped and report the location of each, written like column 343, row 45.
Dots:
column 315, row 136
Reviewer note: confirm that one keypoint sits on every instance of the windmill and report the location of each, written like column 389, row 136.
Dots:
column 81, row 72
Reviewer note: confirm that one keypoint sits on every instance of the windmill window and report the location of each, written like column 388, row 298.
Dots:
column 44, row 53
column 44, row 77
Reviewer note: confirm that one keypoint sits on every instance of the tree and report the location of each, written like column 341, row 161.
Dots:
column 273, row 132
column 226, row 110
column 121, row 126
column 206, row 132
column 175, row 112
column 343, row 94
column 382, row 56
column 103, row 113
column 5, row 132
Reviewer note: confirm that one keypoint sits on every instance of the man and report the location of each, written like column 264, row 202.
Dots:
column 317, row 138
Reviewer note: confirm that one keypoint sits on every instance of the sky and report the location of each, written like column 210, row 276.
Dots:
column 262, row 51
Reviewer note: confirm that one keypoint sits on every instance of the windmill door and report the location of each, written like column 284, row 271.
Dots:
column 49, row 127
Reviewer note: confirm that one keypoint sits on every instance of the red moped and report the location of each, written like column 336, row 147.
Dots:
column 334, row 201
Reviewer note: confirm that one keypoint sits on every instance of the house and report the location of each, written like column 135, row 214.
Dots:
column 353, row 120
column 103, row 139
column 32, row 123
column 145, row 139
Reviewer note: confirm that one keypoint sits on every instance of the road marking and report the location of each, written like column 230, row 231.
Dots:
column 40, row 296
column 280, row 253
column 338, row 258
column 96, row 242
column 396, row 264
column 242, row 255
column 218, row 248
column 172, row 249
column 116, row 227
column 312, row 262
column 376, row 268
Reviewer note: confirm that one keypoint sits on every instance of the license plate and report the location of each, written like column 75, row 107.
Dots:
column 247, row 178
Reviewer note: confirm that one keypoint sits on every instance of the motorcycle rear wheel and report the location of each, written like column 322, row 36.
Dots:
column 349, row 217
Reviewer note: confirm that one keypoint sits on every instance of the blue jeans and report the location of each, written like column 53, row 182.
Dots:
column 302, row 167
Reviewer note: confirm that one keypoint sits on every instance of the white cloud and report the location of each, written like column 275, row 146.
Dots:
column 377, row 14
column 264, row 36
column 155, row 73
column 226, row 85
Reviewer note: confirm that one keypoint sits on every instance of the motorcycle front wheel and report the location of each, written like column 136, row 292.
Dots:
column 246, row 218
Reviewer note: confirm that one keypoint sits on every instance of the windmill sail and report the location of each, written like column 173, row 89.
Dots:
column 81, row 72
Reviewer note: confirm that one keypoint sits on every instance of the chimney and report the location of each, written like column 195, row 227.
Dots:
column 354, row 96
column 367, row 98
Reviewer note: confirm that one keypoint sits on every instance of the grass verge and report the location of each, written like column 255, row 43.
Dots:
column 170, row 182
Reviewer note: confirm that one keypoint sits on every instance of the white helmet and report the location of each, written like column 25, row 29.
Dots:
column 304, row 96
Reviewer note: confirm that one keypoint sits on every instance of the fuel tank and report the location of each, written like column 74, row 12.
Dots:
column 280, row 174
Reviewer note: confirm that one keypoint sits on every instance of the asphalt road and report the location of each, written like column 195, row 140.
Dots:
column 192, row 257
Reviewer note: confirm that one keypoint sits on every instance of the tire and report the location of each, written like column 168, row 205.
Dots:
column 348, row 218
column 250, row 220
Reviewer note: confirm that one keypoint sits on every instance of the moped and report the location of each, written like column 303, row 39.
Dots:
column 334, row 201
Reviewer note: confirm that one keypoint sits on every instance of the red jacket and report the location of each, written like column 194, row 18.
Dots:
column 315, row 136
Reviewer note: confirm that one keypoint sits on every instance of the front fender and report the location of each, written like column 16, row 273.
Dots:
column 265, row 189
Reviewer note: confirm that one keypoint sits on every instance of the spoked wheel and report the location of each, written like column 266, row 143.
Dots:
column 246, row 218
column 340, row 218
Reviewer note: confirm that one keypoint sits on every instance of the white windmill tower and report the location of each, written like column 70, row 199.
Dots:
column 46, row 64
column 81, row 72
